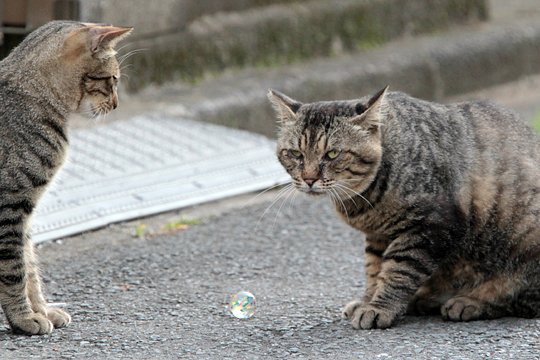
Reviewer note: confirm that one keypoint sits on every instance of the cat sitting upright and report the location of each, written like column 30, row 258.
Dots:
column 448, row 197
column 60, row 68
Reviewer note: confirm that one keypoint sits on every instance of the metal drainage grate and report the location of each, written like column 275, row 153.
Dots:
column 148, row 165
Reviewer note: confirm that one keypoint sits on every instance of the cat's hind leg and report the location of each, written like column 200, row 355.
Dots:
column 424, row 302
column 432, row 295
column 489, row 300
column 527, row 303
column 464, row 308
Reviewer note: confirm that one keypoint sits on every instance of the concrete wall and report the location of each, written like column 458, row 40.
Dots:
column 151, row 18
column 285, row 33
column 188, row 40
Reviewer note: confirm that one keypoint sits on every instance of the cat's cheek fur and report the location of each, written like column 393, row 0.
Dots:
column 290, row 165
column 93, row 106
column 86, row 109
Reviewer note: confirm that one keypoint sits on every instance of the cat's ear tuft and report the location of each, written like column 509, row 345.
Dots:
column 285, row 107
column 106, row 36
column 370, row 115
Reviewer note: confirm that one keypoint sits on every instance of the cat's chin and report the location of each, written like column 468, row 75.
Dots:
column 312, row 192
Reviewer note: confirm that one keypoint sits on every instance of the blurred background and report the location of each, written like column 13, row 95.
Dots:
column 188, row 39
column 184, row 50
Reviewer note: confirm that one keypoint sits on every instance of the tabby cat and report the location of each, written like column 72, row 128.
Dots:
column 448, row 197
column 60, row 68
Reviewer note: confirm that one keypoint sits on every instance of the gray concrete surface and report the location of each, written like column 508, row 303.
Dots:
column 164, row 297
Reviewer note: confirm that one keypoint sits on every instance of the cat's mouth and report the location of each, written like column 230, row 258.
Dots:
column 314, row 191
column 314, row 188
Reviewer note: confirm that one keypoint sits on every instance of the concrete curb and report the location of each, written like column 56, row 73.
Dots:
column 281, row 34
column 431, row 67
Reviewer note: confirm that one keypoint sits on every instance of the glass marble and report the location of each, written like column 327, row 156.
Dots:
column 242, row 305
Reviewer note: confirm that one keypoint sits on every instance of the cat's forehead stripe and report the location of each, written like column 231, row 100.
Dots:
column 323, row 114
column 303, row 141
column 319, row 120
column 321, row 142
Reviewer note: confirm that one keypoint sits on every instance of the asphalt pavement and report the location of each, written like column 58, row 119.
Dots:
column 164, row 296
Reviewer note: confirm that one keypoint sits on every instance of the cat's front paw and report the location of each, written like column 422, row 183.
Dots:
column 348, row 310
column 31, row 324
column 371, row 317
column 58, row 317
column 461, row 308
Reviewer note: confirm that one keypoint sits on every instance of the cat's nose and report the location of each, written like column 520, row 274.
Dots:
column 310, row 181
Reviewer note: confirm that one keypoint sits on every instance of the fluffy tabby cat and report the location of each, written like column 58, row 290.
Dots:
column 447, row 195
column 58, row 69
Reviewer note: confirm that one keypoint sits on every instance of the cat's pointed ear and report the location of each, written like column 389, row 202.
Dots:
column 106, row 36
column 285, row 107
column 369, row 115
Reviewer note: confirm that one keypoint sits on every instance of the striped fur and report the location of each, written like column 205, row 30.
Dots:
column 447, row 195
column 42, row 81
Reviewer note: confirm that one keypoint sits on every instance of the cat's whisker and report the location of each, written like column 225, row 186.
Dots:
column 280, row 193
column 125, row 67
column 283, row 197
column 287, row 196
column 100, row 115
column 295, row 194
column 126, row 56
column 249, row 201
column 123, row 47
column 347, row 195
column 333, row 198
column 346, row 191
column 86, row 113
column 338, row 198
column 349, row 189
column 124, row 74
column 354, row 192
column 130, row 71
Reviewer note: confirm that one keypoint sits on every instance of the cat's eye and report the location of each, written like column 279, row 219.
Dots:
column 98, row 78
column 295, row 153
column 332, row 154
